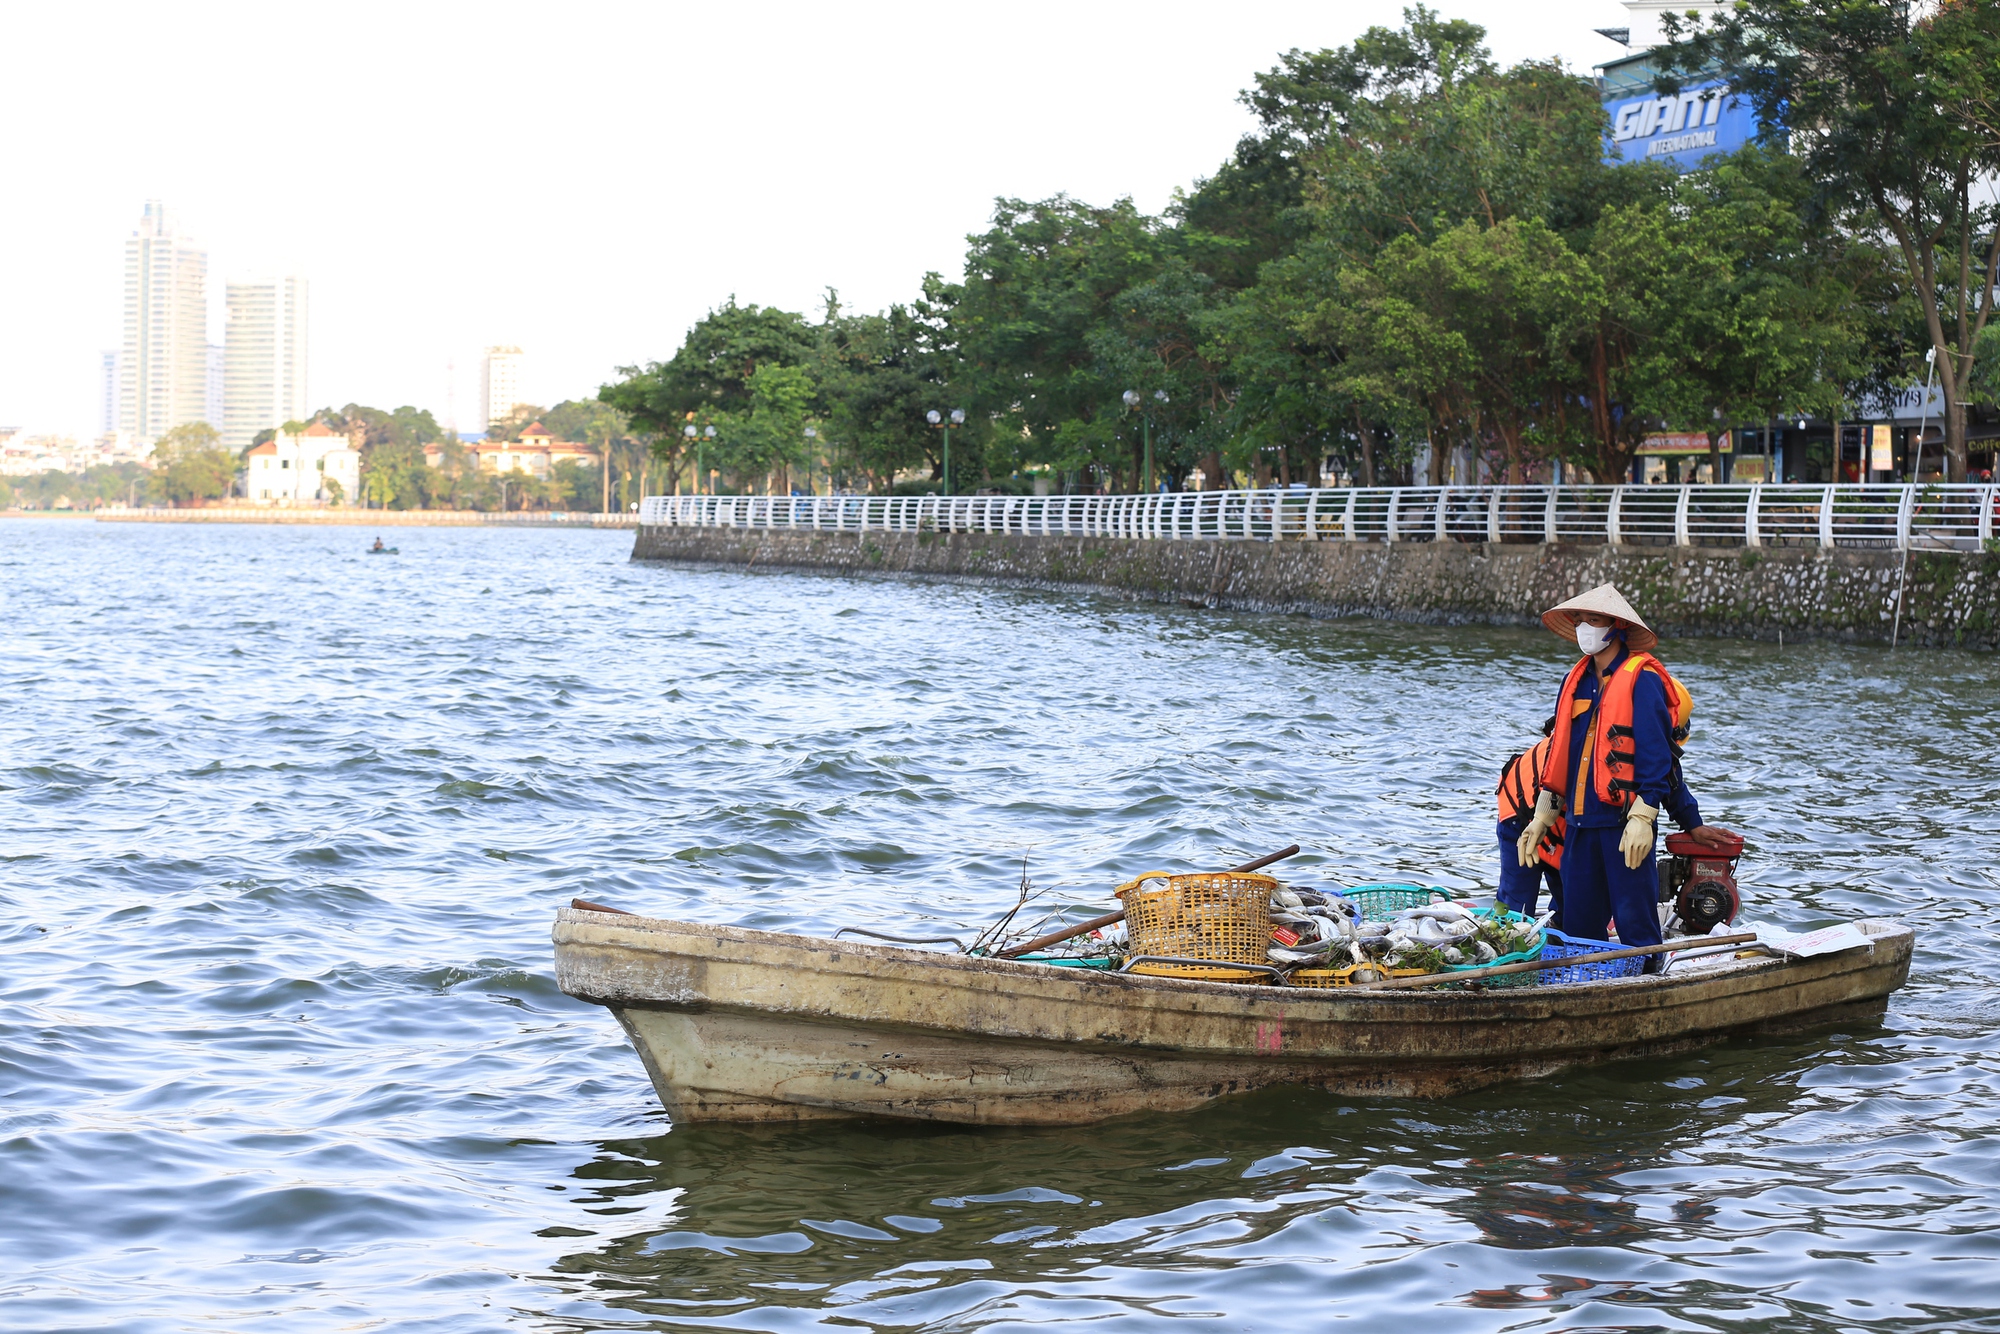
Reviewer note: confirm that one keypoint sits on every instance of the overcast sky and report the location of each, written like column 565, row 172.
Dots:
column 586, row 179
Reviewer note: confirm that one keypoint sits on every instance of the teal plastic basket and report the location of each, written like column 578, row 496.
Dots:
column 1528, row 955
column 1380, row 902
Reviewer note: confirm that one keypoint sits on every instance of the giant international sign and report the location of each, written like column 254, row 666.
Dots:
column 1683, row 129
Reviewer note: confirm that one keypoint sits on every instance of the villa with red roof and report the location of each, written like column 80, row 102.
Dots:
column 536, row 453
column 314, row 466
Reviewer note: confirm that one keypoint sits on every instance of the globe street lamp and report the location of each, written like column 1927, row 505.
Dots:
column 700, row 438
column 1133, row 400
column 937, row 419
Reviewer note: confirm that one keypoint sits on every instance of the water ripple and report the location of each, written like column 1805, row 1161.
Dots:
column 280, row 1048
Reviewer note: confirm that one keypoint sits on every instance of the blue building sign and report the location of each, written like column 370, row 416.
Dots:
column 1684, row 129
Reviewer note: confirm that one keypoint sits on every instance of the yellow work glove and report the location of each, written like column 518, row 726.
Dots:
column 1538, row 825
column 1637, row 840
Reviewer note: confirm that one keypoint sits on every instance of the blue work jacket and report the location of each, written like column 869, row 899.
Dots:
column 1652, row 755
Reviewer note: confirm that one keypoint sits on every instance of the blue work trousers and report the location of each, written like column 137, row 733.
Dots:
column 1598, row 888
column 1521, row 885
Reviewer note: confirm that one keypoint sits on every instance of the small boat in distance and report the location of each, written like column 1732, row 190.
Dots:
column 379, row 550
column 741, row 1025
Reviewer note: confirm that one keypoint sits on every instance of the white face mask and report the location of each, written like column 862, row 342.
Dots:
column 1592, row 638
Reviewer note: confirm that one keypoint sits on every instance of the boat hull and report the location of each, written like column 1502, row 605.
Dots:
column 737, row 1025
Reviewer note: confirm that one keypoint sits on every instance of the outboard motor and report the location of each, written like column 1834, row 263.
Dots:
column 1700, row 883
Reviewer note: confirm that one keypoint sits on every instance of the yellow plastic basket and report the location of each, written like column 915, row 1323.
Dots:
column 1343, row 977
column 1221, row 972
column 1219, row 915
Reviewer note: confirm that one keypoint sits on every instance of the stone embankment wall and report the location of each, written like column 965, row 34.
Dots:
column 366, row 518
column 1948, row 599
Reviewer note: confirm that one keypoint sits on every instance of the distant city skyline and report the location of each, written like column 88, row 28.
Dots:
column 384, row 193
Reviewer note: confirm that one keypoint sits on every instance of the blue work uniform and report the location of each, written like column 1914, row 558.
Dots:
column 1597, row 885
column 1521, row 886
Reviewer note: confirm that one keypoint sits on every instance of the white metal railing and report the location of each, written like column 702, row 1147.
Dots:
column 1956, row 517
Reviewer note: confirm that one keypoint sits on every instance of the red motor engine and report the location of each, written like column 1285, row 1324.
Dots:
column 1701, row 882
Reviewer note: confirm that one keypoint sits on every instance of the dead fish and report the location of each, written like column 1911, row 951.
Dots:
column 1443, row 912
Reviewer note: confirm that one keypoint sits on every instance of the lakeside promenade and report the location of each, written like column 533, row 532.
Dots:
column 1880, row 565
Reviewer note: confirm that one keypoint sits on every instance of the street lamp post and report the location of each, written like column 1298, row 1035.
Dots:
column 1133, row 400
column 812, row 434
column 700, row 438
column 938, row 419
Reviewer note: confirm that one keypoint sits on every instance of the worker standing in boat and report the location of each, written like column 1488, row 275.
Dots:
column 1521, row 881
column 1610, row 767
column 1520, row 780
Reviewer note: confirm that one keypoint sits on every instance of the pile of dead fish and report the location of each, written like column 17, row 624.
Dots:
column 1315, row 930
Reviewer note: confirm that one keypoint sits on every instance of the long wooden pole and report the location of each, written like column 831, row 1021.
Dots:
column 1057, row 937
column 1536, row 965
column 585, row 905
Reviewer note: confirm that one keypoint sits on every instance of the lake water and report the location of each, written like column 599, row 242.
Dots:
column 280, row 1050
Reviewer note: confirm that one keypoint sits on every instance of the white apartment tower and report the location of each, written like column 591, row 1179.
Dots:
column 163, row 371
column 107, row 412
column 503, row 382
column 264, row 358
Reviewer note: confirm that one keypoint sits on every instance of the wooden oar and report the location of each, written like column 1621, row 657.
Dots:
column 1536, row 965
column 585, row 905
column 1057, row 937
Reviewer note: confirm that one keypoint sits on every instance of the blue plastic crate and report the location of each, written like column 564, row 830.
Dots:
column 1556, row 945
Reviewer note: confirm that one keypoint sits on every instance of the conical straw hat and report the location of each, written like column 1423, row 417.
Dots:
column 1606, row 600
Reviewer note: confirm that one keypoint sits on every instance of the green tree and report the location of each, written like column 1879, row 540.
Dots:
column 1039, row 283
column 878, row 375
column 1724, row 303
column 191, row 465
column 762, row 445
column 1896, row 108
column 1359, row 338
column 707, row 380
column 1474, row 332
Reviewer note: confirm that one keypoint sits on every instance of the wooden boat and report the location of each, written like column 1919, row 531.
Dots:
column 740, row 1025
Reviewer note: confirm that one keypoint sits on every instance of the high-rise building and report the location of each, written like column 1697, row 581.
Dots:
column 503, row 382
column 163, row 369
column 212, row 394
column 264, row 358
column 107, row 411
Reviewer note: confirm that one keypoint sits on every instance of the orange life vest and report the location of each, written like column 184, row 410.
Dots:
column 1519, row 782
column 1611, row 766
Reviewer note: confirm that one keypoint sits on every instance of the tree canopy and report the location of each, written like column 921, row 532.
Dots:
column 1416, row 253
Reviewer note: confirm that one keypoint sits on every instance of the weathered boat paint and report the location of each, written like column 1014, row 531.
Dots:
column 740, row 1025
